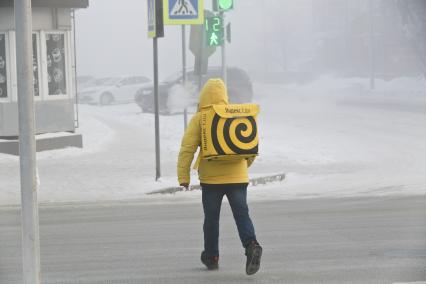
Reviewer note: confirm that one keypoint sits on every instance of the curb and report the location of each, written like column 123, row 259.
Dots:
column 252, row 182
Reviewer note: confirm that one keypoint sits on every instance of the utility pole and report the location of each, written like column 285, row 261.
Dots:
column 27, row 143
column 185, row 111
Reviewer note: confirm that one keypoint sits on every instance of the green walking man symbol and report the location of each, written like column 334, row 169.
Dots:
column 214, row 31
column 214, row 39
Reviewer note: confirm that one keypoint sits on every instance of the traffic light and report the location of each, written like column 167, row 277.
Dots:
column 223, row 5
column 214, row 30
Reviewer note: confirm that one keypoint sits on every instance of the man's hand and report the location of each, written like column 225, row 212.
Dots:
column 185, row 186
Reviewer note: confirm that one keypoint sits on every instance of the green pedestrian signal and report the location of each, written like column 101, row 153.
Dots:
column 223, row 5
column 214, row 31
column 214, row 39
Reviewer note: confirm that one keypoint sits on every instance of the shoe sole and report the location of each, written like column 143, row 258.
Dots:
column 214, row 267
column 253, row 264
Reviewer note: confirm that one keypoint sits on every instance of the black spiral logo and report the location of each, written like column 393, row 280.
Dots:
column 241, row 143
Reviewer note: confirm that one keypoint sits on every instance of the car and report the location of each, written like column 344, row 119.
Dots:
column 108, row 90
column 84, row 81
column 240, row 90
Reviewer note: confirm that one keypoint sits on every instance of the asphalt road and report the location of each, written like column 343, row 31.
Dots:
column 358, row 240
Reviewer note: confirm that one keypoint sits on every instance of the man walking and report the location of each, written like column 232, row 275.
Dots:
column 219, row 178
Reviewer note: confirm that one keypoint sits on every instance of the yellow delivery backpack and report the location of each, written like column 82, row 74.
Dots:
column 229, row 131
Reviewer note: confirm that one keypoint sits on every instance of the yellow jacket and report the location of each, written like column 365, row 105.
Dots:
column 214, row 171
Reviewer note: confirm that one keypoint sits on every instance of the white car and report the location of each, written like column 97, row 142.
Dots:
column 105, row 91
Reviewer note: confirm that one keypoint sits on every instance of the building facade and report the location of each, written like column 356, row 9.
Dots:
column 53, row 66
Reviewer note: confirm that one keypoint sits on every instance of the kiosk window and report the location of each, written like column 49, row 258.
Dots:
column 3, row 66
column 35, row 67
column 56, row 71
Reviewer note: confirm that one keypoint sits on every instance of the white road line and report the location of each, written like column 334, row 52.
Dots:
column 417, row 282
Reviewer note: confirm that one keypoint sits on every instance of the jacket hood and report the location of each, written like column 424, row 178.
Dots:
column 213, row 93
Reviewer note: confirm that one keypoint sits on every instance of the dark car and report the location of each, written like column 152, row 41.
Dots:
column 240, row 89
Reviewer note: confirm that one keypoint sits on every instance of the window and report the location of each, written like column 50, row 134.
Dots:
column 3, row 67
column 56, row 65
column 125, row 81
column 141, row 80
column 108, row 81
column 132, row 81
column 237, row 75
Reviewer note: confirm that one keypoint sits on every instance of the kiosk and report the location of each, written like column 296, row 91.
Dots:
column 53, row 70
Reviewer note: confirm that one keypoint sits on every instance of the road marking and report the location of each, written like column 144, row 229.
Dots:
column 416, row 282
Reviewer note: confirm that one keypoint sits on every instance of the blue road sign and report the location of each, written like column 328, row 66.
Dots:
column 183, row 12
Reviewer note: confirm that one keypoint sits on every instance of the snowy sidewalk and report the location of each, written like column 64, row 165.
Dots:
column 329, row 144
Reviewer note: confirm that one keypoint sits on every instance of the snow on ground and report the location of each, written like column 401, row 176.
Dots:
column 333, row 138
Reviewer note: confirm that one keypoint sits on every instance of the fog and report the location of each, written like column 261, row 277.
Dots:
column 112, row 37
column 337, row 187
column 336, row 81
column 302, row 38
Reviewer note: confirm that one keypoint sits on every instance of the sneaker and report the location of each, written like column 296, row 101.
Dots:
column 254, row 254
column 211, row 262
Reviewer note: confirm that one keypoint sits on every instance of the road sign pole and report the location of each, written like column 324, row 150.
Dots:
column 156, row 30
column 27, row 143
column 185, row 111
column 157, row 115
column 224, row 73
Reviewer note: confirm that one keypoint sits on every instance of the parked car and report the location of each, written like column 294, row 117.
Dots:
column 240, row 89
column 84, row 81
column 108, row 90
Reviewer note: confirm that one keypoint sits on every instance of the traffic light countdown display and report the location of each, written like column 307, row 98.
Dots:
column 214, row 31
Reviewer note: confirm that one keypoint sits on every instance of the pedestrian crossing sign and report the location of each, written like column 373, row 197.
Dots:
column 183, row 12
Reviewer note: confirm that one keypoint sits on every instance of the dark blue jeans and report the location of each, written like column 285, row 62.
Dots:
column 212, row 201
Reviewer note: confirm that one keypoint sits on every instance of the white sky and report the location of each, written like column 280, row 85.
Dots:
column 112, row 40
column 112, row 37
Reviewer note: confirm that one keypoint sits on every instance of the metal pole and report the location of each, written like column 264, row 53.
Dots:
column 157, row 116
column 224, row 73
column 75, row 70
column 27, row 143
column 185, row 111
column 200, row 59
column 372, row 49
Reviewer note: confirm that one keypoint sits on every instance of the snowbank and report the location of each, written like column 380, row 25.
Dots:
column 333, row 138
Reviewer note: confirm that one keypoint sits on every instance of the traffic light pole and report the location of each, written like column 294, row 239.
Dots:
column 185, row 111
column 200, row 61
column 157, row 115
column 27, row 144
column 224, row 73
